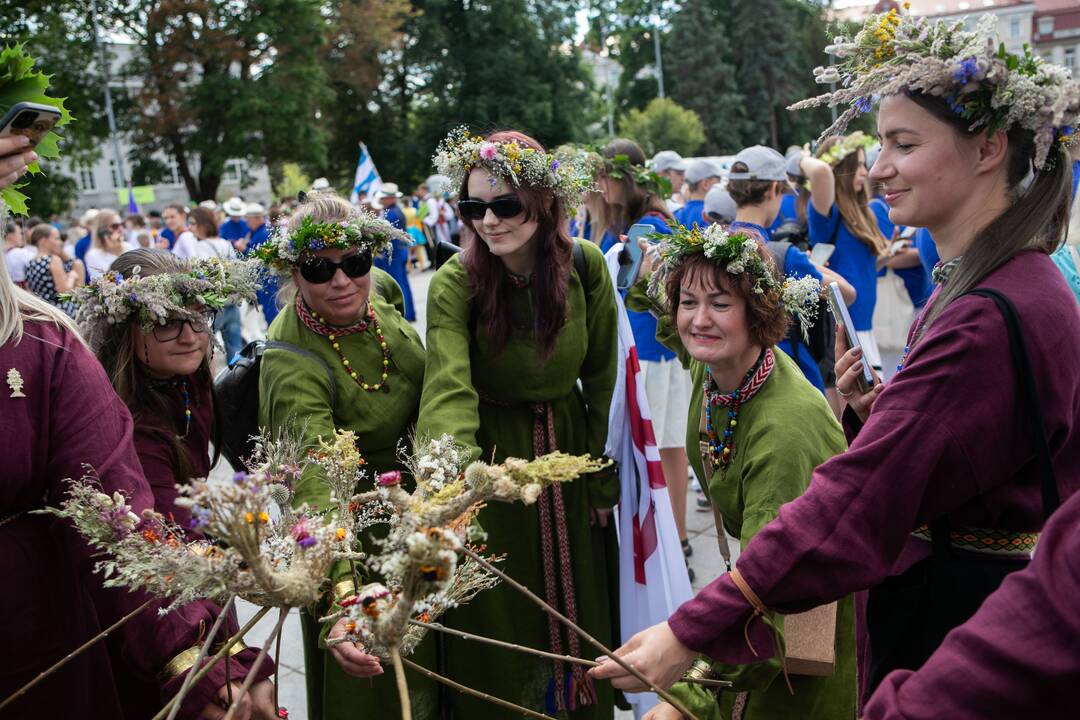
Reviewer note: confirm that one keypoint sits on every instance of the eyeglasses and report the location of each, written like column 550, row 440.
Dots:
column 321, row 270
column 172, row 329
column 503, row 208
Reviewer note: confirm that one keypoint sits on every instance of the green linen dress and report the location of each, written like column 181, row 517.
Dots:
column 485, row 401
column 784, row 431
column 294, row 390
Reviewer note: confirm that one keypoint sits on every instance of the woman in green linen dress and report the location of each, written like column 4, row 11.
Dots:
column 354, row 364
column 514, row 323
column 723, row 308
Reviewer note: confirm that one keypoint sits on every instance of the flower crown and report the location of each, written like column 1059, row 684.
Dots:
column 367, row 231
column 737, row 253
column 211, row 283
column 991, row 88
column 620, row 166
column 565, row 173
column 852, row 143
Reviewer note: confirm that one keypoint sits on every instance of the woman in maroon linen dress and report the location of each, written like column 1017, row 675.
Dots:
column 163, row 376
column 950, row 437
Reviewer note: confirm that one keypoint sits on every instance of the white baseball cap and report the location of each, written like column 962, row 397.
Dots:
column 668, row 160
column 700, row 169
column 719, row 205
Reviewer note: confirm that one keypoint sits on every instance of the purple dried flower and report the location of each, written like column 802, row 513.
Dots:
column 555, row 164
column 239, row 477
column 969, row 67
column 864, row 105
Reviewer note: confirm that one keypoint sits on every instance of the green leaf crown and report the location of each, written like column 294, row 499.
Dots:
column 896, row 53
column 567, row 174
column 620, row 166
column 283, row 251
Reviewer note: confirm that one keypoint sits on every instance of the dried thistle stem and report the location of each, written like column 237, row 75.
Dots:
column 202, row 654
column 503, row 644
column 402, row 685
column 250, row 679
column 475, row 693
column 221, row 653
column 73, row 654
column 668, row 697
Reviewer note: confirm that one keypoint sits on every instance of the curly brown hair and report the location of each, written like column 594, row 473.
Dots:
column 766, row 318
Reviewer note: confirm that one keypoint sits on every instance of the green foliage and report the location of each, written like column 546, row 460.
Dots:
column 664, row 125
column 50, row 193
column 293, row 181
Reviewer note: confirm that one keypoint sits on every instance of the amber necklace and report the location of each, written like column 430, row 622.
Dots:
column 319, row 325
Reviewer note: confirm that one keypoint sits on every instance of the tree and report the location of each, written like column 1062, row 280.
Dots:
column 701, row 75
column 664, row 125
column 293, row 181
column 51, row 193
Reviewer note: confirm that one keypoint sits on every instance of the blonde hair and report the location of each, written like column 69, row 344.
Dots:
column 324, row 206
column 101, row 222
column 18, row 307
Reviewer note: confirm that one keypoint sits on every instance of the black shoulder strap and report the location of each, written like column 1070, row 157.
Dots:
column 288, row 347
column 1051, row 500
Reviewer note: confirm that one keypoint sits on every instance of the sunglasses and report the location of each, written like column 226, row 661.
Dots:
column 320, row 270
column 503, row 208
column 172, row 329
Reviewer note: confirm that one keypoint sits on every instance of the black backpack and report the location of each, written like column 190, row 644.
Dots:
column 821, row 334
column 237, row 389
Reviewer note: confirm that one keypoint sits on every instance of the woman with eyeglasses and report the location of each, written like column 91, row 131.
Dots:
column 355, row 364
column 513, row 323
column 108, row 243
column 155, row 349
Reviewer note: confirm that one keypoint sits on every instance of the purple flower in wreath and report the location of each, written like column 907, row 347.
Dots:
column 318, row 244
column 555, row 164
column 864, row 105
column 132, row 297
column 967, row 71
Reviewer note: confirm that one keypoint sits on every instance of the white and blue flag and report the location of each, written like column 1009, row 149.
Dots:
column 367, row 177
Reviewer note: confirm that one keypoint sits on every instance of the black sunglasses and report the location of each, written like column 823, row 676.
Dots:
column 503, row 207
column 172, row 329
column 320, row 270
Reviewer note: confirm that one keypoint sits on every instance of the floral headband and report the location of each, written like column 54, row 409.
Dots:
column 737, row 253
column 620, row 166
column 985, row 85
column 364, row 230
column 112, row 299
column 564, row 173
column 854, row 142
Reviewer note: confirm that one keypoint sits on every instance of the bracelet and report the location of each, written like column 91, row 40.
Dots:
column 343, row 589
column 186, row 660
column 701, row 670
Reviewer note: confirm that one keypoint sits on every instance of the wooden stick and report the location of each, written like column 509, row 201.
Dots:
column 202, row 654
column 553, row 656
column 250, row 679
column 72, row 655
column 402, row 685
column 668, row 697
column 475, row 693
column 222, row 652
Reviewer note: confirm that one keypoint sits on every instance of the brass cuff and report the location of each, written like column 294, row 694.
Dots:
column 186, row 660
column 343, row 589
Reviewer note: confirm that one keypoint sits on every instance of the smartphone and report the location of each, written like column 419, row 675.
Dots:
column 840, row 312
column 820, row 253
column 630, row 256
column 33, row 120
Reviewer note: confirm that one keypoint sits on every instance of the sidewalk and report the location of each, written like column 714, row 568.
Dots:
column 292, row 693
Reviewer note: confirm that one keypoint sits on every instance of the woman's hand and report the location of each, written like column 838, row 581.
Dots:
column 599, row 516
column 650, row 257
column 848, row 368
column 655, row 652
column 663, row 711
column 352, row 659
column 257, row 704
column 15, row 156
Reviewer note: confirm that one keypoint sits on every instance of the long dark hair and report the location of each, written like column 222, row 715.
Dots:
column 148, row 401
column 638, row 200
column 550, row 278
column 1037, row 219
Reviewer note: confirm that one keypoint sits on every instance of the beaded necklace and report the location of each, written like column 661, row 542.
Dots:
column 316, row 323
column 722, row 450
column 187, row 408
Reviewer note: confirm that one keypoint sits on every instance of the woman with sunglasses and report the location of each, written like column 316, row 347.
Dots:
column 514, row 322
column 108, row 243
column 156, row 351
column 355, row 364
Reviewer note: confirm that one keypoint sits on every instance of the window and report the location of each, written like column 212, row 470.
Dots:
column 1070, row 57
column 234, row 171
column 1014, row 28
column 86, row 179
column 117, row 180
column 1046, row 25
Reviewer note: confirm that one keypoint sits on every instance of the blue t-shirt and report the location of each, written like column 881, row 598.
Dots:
column 643, row 323
column 1075, row 176
column 233, row 229
column 168, row 235
column 928, row 254
column 789, row 212
column 916, row 279
column 692, row 214
column 797, row 264
column 258, row 237
column 852, row 259
column 1063, row 258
